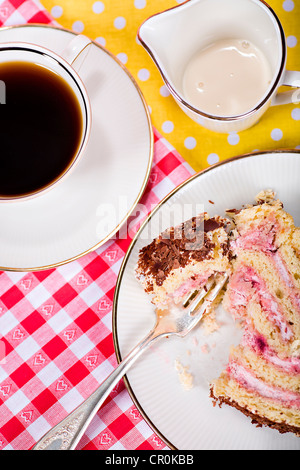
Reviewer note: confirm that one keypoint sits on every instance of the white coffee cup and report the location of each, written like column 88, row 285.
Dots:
column 65, row 66
column 174, row 36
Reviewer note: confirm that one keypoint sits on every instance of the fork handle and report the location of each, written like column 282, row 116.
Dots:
column 67, row 434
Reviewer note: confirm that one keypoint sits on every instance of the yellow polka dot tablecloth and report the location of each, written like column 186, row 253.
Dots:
column 114, row 24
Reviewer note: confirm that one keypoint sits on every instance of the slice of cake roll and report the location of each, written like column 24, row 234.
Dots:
column 262, row 378
column 183, row 258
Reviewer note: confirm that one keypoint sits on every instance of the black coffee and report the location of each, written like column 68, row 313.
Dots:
column 40, row 128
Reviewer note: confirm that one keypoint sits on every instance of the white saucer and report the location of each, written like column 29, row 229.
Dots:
column 90, row 206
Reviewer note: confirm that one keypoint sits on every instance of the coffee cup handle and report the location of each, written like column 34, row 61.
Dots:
column 78, row 47
column 291, row 78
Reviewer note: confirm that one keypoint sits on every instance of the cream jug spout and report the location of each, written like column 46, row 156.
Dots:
column 161, row 36
column 174, row 37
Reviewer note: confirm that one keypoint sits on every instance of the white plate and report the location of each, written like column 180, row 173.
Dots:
column 187, row 419
column 72, row 219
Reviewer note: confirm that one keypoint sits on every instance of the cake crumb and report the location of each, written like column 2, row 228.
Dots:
column 266, row 195
column 185, row 377
column 209, row 323
column 205, row 348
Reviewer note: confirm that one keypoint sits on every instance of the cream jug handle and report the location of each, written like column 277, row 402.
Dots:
column 291, row 78
column 77, row 48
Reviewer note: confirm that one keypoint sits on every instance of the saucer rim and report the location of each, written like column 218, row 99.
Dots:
column 149, row 165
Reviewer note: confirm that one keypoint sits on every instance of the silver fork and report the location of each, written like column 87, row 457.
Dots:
column 178, row 320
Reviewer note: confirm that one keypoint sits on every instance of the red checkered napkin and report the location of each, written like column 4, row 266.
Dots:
column 56, row 342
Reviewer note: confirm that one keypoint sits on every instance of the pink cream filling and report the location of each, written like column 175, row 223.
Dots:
column 197, row 282
column 262, row 238
column 245, row 285
column 288, row 279
column 259, row 344
column 247, row 380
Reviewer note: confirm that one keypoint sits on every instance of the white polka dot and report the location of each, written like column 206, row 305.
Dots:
column 56, row 11
column 120, row 22
column 123, row 57
column 168, row 126
column 276, row 134
column 164, row 91
column 288, row 5
column 296, row 114
column 140, row 4
column 233, row 138
column 213, row 158
column 144, row 74
column 190, row 143
column 101, row 41
column 291, row 41
column 78, row 26
column 98, row 7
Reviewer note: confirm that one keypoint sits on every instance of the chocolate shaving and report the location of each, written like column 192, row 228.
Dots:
column 211, row 224
column 176, row 247
column 233, row 211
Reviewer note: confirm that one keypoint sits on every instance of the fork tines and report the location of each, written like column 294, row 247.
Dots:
column 207, row 294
